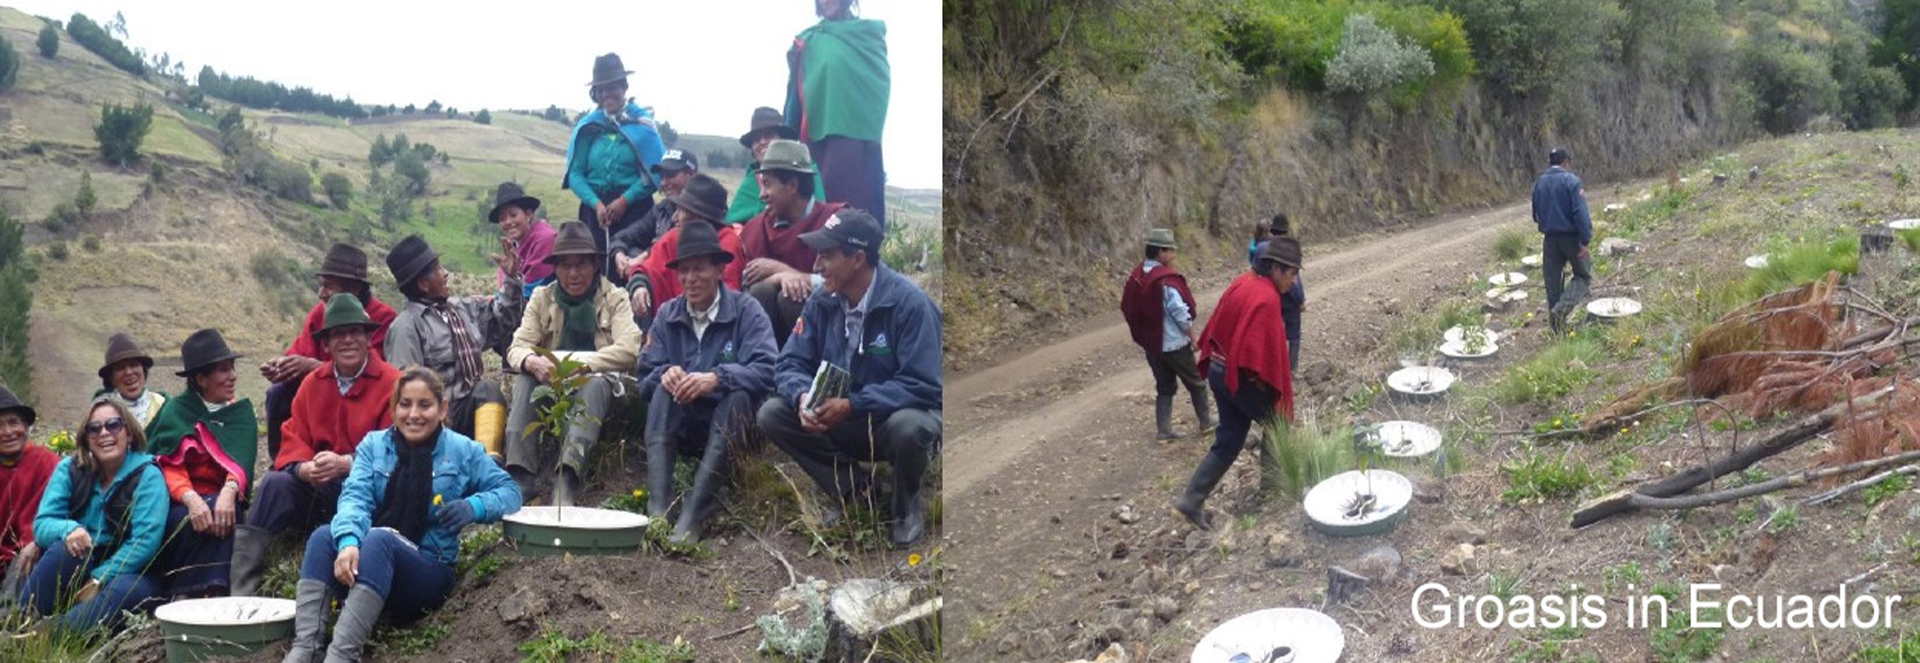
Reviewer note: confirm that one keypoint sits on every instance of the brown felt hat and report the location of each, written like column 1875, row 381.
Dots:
column 345, row 261
column 122, row 347
column 767, row 118
column 573, row 240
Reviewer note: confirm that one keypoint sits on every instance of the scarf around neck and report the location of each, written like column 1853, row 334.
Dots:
column 578, row 318
column 409, row 489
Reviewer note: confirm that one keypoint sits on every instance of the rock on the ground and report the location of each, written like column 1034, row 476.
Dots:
column 1165, row 608
column 1280, row 551
column 1615, row 246
column 1125, row 513
column 1114, row 654
column 1380, row 563
column 1464, row 533
column 1460, row 561
column 522, row 606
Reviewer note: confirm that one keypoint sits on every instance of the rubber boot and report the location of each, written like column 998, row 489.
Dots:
column 702, row 500
column 249, row 558
column 909, row 511
column 660, row 460
column 523, row 480
column 1193, row 504
column 309, row 621
column 490, row 429
column 567, row 488
column 357, row 615
column 1203, row 410
column 1163, row 417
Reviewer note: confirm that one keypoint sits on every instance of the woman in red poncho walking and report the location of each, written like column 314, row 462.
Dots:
column 1244, row 353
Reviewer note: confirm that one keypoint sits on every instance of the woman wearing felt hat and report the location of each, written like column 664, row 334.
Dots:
column 206, row 440
column 123, row 379
column 611, row 156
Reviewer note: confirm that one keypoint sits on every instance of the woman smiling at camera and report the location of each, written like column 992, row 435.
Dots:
column 99, row 526
column 412, row 488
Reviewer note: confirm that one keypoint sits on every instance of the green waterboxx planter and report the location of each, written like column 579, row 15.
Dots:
column 223, row 627
column 536, row 531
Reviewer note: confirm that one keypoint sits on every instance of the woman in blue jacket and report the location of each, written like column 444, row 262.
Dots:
column 100, row 525
column 610, row 158
column 412, row 488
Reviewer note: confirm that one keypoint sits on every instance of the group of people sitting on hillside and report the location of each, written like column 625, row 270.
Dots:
column 716, row 324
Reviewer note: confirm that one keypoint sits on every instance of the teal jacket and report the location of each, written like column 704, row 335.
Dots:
column 144, row 520
column 601, row 162
column 461, row 470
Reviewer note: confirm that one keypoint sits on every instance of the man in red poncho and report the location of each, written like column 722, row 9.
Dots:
column 25, row 468
column 1244, row 350
column 1159, row 311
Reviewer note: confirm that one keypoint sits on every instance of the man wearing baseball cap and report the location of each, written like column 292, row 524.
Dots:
column 631, row 243
column 884, row 333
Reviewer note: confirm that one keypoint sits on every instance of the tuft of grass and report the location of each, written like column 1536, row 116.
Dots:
column 1802, row 263
column 1680, row 642
column 1904, row 650
column 1555, row 372
column 1911, row 238
column 1784, row 519
column 1299, row 455
column 1892, row 486
column 1513, row 243
column 1538, row 478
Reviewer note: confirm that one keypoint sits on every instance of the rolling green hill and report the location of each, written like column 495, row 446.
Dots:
column 197, row 246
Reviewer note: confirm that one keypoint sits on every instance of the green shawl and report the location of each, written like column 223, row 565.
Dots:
column 234, row 427
column 578, row 318
column 747, row 203
column 838, row 80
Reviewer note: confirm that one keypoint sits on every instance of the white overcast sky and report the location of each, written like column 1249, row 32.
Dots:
column 704, row 65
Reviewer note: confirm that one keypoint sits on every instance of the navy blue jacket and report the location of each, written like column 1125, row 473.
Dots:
column 738, row 346
column 1560, row 205
column 898, row 367
column 1291, row 300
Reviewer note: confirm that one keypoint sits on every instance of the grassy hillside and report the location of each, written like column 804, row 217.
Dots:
column 199, row 247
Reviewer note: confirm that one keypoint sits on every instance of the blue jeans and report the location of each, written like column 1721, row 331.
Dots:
column 58, row 575
column 384, row 555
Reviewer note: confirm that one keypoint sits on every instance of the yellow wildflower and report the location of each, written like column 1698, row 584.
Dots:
column 639, row 493
column 1556, row 423
column 913, row 559
column 436, row 499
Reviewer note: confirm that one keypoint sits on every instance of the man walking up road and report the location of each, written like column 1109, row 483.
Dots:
column 1560, row 211
column 1159, row 311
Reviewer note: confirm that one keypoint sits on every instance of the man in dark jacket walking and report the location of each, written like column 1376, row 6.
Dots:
column 1560, row 211
column 1159, row 311
column 882, row 334
column 708, row 364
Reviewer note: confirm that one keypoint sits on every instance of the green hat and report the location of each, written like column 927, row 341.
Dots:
column 1161, row 238
column 344, row 310
column 790, row 155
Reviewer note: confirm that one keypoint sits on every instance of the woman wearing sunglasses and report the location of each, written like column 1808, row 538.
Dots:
column 396, row 534
column 205, row 440
column 100, row 525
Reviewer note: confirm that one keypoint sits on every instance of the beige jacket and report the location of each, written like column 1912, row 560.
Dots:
column 617, row 337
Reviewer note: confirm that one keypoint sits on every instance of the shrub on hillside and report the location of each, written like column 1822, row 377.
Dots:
column 1372, row 60
column 121, row 130
column 339, row 190
column 9, row 65
column 95, row 38
column 86, row 199
column 1790, row 84
column 49, row 41
column 288, row 180
column 483, row 117
column 16, row 299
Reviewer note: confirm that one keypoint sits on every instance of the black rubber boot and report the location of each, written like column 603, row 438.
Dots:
column 1163, row 417
column 1193, row 504
column 909, row 511
column 1203, row 410
column 660, row 460
column 703, row 500
column 249, row 558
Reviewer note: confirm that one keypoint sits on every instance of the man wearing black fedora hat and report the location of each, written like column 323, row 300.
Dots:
column 123, row 378
column 779, row 266
column 879, row 332
column 448, row 334
column 585, row 318
column 767, row 126
column 708, row 364
column 653, row 280
column 611, row 156
column 631, row 245
column 525, row 239
column 25, row 468
column 343, row 270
